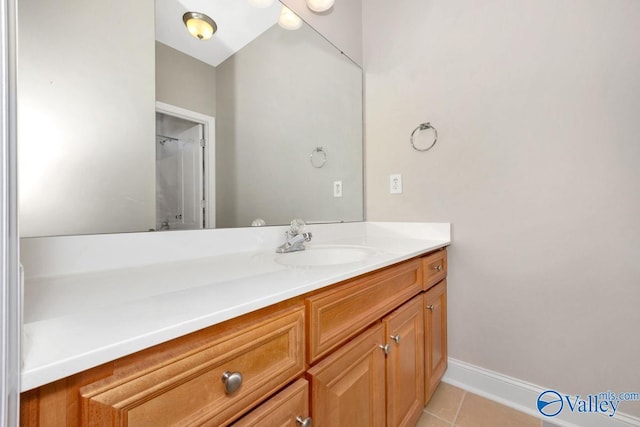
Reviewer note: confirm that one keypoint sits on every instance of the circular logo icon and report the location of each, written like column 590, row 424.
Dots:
column 550, row 403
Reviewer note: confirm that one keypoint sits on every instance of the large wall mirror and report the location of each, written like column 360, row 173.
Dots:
column 127, row 123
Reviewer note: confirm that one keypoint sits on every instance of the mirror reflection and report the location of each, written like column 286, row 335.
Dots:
column 129, row 123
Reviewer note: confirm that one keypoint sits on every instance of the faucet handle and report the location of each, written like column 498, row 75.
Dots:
column 297, row 226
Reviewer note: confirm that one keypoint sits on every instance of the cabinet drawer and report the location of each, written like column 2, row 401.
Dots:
column 336, row 315
column 283, row 409
column 435, row 268
column 188, row 389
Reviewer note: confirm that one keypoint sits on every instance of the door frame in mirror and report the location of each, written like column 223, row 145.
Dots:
column 209, row 126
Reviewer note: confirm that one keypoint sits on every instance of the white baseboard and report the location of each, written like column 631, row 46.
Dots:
column 522, row 396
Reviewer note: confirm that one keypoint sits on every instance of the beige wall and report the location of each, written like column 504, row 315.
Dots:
column 537, row 104
column 86, row 101
column 341, row 25
column 184, row 81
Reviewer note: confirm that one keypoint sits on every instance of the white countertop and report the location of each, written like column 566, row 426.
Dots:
column 78, row 318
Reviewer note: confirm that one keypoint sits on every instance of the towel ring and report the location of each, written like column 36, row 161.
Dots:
column 424, row 126
column 318, row 157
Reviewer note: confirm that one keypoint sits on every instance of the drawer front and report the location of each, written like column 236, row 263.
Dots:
column 435, row 268
column 283, row 409
column 189, row 390
column 336, row 315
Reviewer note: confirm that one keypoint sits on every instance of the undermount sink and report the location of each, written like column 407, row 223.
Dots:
column 318, row 256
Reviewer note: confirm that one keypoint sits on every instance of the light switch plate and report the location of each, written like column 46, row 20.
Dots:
column 395, row 184
column 337, row 188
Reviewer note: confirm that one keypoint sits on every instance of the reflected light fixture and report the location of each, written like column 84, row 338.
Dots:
column 199, row 25
column 320, row 5
column 261, row 4
column 289, row 20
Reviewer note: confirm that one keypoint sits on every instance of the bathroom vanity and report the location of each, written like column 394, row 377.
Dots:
column 355, row 342
column 210, row 327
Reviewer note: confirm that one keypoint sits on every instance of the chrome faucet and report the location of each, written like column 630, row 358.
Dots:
column 295, row 238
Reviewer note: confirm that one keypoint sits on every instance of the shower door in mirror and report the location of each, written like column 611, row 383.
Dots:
column 180, row 166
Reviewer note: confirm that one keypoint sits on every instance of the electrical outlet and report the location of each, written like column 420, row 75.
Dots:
column 395, row 184
column 337, row 188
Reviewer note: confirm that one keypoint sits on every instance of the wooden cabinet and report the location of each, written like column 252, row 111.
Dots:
column 374, row 349
column 435, row 303
column 378, row 378
column 335, row 315
column 289, row 408
column 348, row 387
column 180, row 382
column 434, row 268
column 405, row 363
column 204, row 386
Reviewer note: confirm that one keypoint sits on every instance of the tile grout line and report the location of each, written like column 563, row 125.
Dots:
column 455, row 417
column 459, row 408
column 440, row 418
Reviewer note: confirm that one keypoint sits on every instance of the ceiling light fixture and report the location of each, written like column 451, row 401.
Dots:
column 199, row 25
column 261, row 4
column 320, row 5
column 289, row 20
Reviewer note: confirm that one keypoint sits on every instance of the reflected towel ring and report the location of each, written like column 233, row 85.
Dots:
column 424, row 126
column 318, row 157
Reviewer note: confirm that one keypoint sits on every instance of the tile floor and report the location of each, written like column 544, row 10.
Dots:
column 454, row 407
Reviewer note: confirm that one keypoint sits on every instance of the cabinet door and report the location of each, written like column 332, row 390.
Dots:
column 435, row 302
column 348, row 387
column 405, row 364
column 289, row 408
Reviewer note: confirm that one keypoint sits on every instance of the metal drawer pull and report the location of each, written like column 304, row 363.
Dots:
column 396, row 338
column 386, row 348
column 437, row 267
column 232, row 381
column 304, row 422
column 430, row 307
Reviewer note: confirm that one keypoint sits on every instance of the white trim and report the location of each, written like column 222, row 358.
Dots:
column 522, row 396
column 209, row 123
column 10, row 289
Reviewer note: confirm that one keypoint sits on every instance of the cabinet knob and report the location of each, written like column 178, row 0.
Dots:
column 385, row 347
column 232, row 381
column 396, row 338
column 437, row 267
column 306, row 422
column 430, row 307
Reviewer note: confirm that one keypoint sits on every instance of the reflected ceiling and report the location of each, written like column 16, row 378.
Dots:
column 229, row 38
